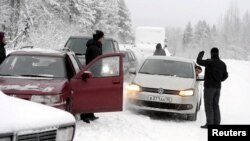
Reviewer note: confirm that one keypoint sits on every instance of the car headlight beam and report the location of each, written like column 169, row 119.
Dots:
column 186, row 93
column 133, row 90
column 134, row 87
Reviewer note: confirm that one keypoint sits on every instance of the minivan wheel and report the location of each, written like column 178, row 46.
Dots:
column 193, row 117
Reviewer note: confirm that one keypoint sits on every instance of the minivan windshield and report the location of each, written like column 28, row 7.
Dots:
column 168, row 68
column 78, row 45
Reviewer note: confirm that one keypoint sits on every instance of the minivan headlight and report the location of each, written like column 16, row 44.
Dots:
column 46, row 99
column 65, row 134
column 186, row 93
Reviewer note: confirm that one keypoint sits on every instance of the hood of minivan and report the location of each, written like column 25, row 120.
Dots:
column 32, row 86
column 165, row 82
column 19, row 115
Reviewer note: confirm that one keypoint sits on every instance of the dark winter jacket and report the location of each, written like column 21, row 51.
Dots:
column 2, row 49
column 94, row 49
column 215, row 71
column 159, row 51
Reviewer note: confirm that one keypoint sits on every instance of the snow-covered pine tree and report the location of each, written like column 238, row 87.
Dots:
column 188, row 35
column 125, row 33
column 245, row 30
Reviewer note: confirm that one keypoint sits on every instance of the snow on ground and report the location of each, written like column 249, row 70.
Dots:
column 132, row 126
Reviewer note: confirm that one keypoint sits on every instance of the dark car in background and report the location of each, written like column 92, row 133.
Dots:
column 77, row 44
column 129, row 61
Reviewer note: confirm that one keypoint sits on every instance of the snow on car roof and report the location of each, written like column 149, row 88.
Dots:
column 90, row 37
column 18, row 114
column 172, row 58
column 39, row 51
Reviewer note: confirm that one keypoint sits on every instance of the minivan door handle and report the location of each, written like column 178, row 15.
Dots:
column 116, row 81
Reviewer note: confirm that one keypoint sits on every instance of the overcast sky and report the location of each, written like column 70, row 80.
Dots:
column 178, row 13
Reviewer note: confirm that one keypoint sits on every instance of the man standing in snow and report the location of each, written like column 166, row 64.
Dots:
column 2, row 49
column 215, row 73
column 94, row 49
column 159, row 51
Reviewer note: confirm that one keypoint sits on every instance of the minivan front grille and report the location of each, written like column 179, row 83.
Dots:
column 165, row 91
column 40, row 136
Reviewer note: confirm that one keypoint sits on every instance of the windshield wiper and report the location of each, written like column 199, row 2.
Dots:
column 80, row 53
column 145, row 72
column 6, row 75
column 33, row 75
column 172, row 75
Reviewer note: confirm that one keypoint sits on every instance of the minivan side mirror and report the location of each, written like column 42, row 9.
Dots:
column 132, row 71
column 86, row 75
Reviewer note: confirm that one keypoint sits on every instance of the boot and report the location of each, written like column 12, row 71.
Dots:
column 92, row 117
column 84, row 118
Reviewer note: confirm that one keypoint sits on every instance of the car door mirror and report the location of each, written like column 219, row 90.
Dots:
column 132, row 71
column 86, row 75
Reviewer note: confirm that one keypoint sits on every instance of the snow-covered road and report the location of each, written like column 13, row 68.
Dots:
column 131, row 126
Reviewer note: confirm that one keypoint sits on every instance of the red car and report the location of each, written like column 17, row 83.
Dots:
column 56, row 78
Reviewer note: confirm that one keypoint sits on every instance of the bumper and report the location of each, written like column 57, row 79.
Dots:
column 173, row 104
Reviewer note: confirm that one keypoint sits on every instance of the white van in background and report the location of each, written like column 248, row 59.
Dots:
column 146, row 39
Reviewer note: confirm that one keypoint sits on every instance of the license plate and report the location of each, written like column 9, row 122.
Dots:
column 160, row 99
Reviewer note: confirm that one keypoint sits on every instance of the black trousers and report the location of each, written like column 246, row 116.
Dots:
column 212, row 109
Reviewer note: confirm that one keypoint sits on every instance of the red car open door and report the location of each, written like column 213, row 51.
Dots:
column 98, row 87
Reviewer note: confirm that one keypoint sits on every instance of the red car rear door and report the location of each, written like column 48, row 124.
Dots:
column 98, row 87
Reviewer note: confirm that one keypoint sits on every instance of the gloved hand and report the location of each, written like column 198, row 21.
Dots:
column 202, row 53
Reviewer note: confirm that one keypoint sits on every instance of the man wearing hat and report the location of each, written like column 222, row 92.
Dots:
column 94, row 49
column 215, row 73
column 2, row 49
column 94, row 46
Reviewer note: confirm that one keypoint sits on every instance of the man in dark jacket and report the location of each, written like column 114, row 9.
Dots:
column 94, row 49
column 94, row 46
column 2, row 49
column 215, row 73
column 159, row 50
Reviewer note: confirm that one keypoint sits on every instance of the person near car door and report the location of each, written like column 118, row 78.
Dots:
column 159, row 50
column 94, row 49
column 215, row 73
column 198, row 70
column 2, row 49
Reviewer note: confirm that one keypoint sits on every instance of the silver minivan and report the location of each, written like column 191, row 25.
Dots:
column 166, row 84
